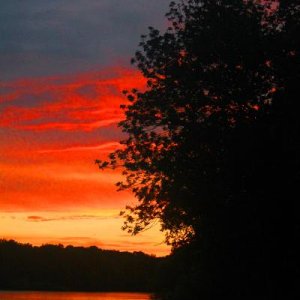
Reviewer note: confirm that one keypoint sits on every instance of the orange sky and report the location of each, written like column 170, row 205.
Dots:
column 51, row 130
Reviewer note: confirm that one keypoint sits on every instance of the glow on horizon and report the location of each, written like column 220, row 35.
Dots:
column 100, row 228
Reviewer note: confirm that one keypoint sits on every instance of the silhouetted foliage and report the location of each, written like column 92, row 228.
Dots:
column 55, row 267
column 213, row 142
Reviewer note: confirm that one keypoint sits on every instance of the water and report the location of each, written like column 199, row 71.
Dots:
column 72, row 296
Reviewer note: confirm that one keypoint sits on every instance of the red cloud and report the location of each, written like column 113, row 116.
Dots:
column 84, row 102
column 106, row 147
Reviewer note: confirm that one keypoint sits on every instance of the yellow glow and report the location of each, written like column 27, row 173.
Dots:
column 100, row 228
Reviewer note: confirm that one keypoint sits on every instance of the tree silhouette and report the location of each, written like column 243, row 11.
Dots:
column 213, row 141
column 55, row 267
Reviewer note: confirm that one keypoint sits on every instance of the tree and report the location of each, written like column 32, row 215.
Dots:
column 212, row 145
column 220, row 72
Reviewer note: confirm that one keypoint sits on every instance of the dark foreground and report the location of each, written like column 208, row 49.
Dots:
column 81, row 273
column 72, row 296
column 59, row 268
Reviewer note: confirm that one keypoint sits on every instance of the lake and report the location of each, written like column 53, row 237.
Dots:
column 72, row 296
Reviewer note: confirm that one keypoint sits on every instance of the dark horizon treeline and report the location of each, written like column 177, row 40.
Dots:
column 58, row 268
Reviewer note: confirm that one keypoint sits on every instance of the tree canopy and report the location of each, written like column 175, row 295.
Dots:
column 212, row 144
column 215, row 131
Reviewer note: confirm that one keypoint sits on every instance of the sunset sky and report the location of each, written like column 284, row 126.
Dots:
column 63, row 66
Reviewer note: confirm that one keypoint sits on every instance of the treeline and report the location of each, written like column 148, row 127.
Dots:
column 55, row 267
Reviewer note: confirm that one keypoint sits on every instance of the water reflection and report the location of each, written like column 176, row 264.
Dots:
column 72, row 296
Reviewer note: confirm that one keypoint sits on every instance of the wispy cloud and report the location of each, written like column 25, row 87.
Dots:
column 70, row 218
column 107, row 147
column 83, row 102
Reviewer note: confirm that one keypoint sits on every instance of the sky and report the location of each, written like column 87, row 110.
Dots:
column 63, row 66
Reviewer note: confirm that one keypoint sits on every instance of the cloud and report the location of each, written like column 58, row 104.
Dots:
column 70, row 218
column 84, row 102
column 60, row 186
column 107, row 147
column 49, row 147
